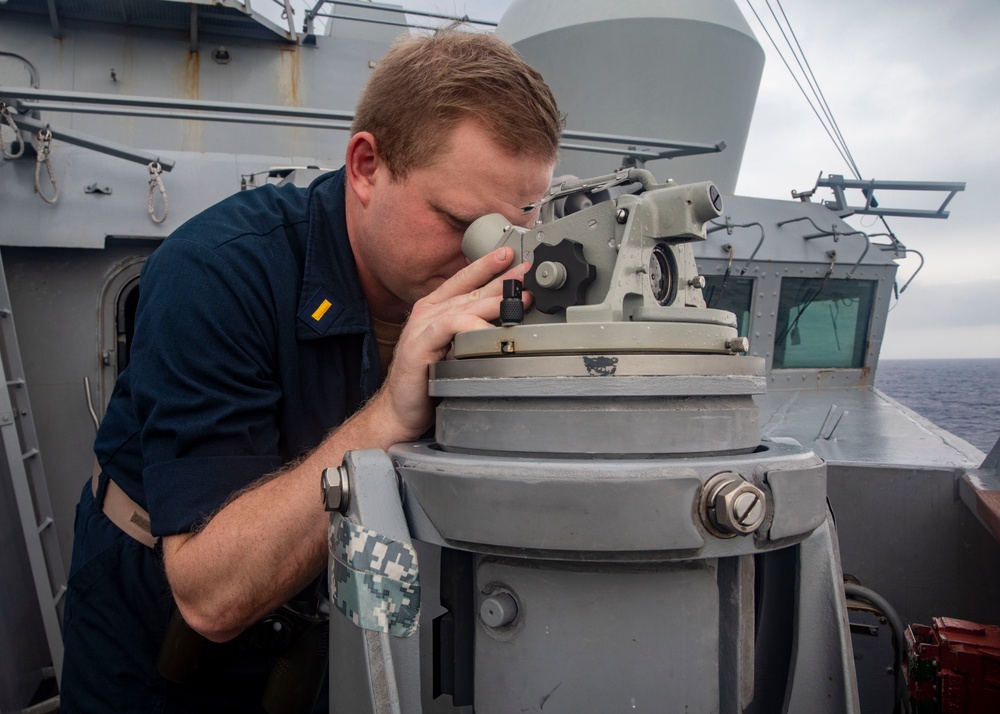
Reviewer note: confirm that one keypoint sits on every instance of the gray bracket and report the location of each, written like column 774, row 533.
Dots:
column 839, row 184
column 822, row 668
column 373, row 672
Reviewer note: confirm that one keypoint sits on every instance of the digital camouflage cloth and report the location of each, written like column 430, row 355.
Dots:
column 374, row 581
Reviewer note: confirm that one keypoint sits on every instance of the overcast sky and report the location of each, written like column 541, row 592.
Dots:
column 915, row 88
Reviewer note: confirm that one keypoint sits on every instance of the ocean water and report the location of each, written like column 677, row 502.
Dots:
column 961, row 395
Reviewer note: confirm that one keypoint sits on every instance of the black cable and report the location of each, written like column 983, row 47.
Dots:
column 819, row 92
column 859, row 592
column 799, row 84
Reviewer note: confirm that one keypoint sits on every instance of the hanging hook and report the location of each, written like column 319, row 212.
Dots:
column 44, row 157
column 156, row 183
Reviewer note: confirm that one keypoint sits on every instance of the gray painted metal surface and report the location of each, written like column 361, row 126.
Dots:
column 583, row 551
column 24, row 652
column 23, row 467
column 373, row 671
column 598, row 509
column 584, row 50
column 822, row 674
column 71, row 294
column 614, row 626
column 544, row 653
column 906, row 494
column 669, row 404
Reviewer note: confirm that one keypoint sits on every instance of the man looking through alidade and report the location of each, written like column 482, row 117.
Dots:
column 261, row 355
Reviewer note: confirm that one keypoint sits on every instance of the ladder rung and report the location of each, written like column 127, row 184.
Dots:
column 4, row 312
column 15, row 382
column 45, row 524
column 30, row 455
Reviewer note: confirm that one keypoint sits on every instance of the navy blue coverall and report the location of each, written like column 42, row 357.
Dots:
column 253, row 340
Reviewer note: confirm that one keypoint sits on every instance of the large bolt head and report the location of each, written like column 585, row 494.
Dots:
column 732, row 506
column 739, row 508
column 336, row 489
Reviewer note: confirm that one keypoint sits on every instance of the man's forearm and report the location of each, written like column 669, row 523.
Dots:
column 266, row 545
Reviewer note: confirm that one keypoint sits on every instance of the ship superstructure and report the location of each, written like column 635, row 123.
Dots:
column 142, row 114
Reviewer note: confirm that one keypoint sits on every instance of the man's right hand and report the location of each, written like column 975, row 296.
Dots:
column 469, row 300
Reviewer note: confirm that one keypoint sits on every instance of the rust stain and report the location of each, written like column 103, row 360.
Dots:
column 192, row 75
column 191, row 89
column 289, row 76
column 289, row 79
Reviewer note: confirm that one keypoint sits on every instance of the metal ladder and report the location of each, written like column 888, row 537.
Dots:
column 24, row 464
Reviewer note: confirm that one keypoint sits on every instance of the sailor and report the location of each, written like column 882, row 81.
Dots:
column 276, row 331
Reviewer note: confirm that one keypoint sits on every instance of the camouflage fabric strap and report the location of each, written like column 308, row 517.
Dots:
column 374, row 581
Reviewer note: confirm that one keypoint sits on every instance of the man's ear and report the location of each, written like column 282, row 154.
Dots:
column 363, row 163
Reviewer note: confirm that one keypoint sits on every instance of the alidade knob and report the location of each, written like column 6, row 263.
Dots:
column 560, row 276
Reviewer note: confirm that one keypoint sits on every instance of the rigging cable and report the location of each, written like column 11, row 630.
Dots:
column 829, row 124
column 840, row 149
column 814, row 84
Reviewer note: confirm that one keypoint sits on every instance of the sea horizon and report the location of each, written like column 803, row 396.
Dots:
column 964, row 399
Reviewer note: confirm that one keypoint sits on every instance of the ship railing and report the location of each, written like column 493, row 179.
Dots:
column 386, row 15
column 29, row 101
column 839, row 185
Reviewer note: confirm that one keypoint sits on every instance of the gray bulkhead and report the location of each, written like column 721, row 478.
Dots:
column 891, row 474
column 71, row 266
column 67, row 263
column 894, row 477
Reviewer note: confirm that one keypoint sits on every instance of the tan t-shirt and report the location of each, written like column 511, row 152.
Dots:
column 386, row 335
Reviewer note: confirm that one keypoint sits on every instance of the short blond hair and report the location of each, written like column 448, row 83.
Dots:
column 425, row 85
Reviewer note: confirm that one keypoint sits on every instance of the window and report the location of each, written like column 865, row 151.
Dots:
column 823, row 323
column 732, row 294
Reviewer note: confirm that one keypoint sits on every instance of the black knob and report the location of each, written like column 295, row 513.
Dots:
column 512, row 306
column 567, row 292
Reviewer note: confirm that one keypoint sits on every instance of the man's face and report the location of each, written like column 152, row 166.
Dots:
column 410, row 238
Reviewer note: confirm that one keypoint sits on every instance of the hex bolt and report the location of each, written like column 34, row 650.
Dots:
column 336, row 487
column 739, row 507
column 732, row 506
column 498, row 610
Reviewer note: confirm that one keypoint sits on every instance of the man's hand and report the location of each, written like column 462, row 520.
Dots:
column 467, row 301
column 266, row 545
